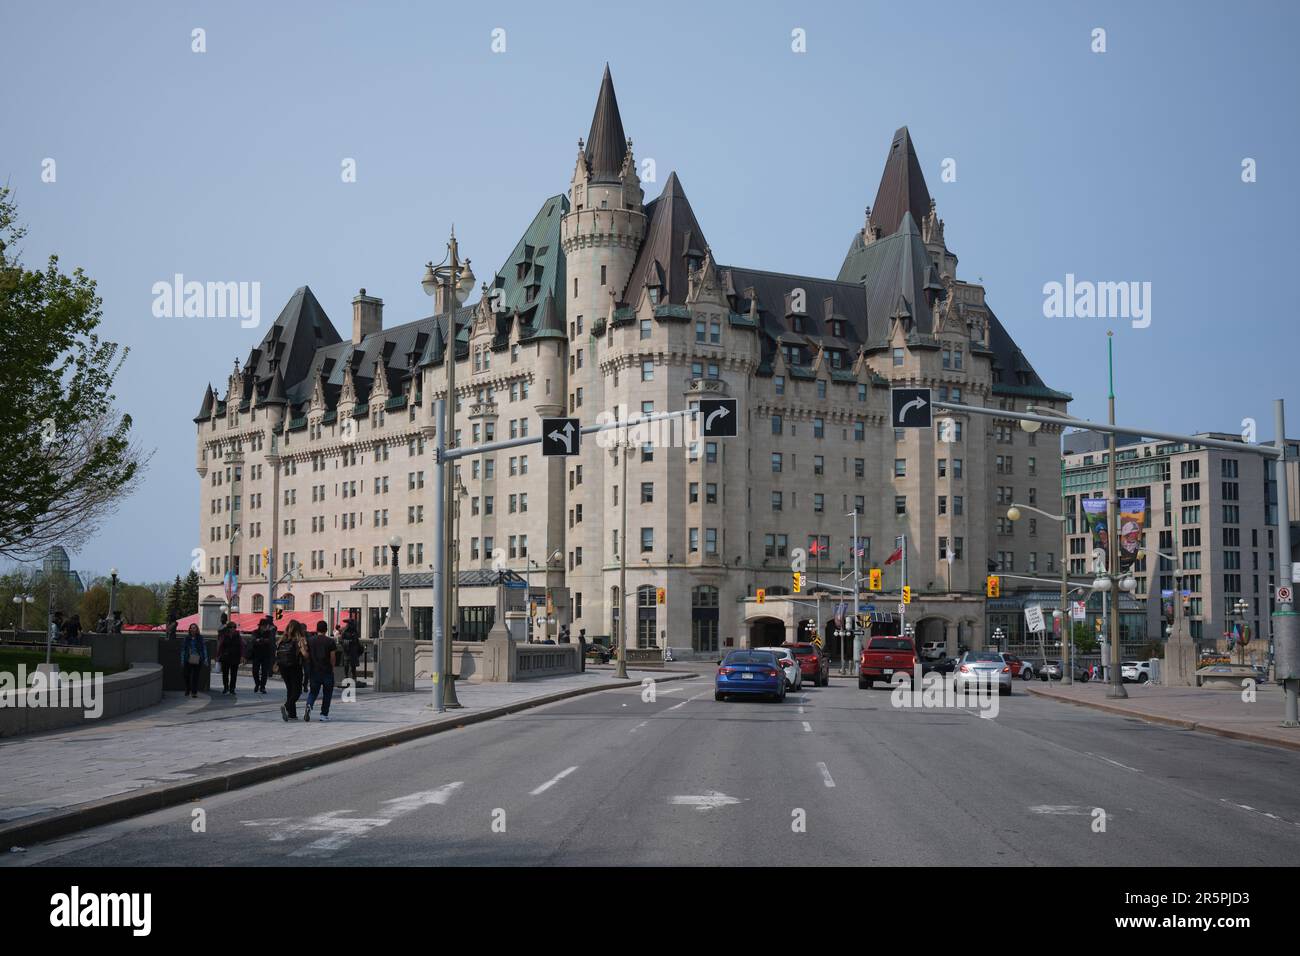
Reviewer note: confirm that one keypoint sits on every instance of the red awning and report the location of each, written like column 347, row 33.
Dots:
column 248, row 623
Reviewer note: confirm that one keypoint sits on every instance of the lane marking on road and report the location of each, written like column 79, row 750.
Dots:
column 826, row 774
column 675, row 706
column 1260, row 813
column 703, row 802
column 1070, row 811
column 801, row 709
column 341, row 830
column 807, row 727
column 638, row 726
column 1115, row 763
column 553, row 781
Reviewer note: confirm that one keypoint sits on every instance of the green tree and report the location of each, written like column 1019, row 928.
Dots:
column 1085, row 640
column 94, row 605
column 190, row 594
column 68, row 456
column 174, row 599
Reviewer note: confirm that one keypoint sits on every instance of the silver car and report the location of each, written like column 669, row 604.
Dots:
column 988, row 668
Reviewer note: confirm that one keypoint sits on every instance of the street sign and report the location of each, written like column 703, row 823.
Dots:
column 902, row 608
column 1078, row 611
column 1284, row 594
column 517, row 584
column 283, row 601
column 911, row 407
column 718, row 417
column 1034, row 618
column 561, row 437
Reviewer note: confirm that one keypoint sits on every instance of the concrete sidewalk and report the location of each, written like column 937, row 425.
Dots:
column 183, row 748
column 1214, row 710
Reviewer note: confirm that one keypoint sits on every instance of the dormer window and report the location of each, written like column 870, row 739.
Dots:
column 797, row 323
column 654, row 295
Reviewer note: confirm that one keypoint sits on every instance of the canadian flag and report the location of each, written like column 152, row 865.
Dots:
column 896, row 556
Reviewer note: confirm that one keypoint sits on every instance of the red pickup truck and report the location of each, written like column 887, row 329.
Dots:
column 882, row 657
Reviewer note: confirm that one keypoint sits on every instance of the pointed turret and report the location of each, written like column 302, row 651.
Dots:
column 209, row 402
column 549, row 325
column 674, row 246
column 606, row 143
column 275, row 393
column 902, row 188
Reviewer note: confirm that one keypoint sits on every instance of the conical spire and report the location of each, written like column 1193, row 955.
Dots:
column 209, row 401
column 549, row 325
column 673, row 238
column 902, row 187
column 606, row 143
column 275, row 394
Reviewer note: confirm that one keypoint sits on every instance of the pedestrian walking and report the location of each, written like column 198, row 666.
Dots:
column 322, row 654
column 351, row 651
column 289, row 659
column 582, row 648
column 194, row 654
column 262, row 654
column 171, row 626
column 230, row 649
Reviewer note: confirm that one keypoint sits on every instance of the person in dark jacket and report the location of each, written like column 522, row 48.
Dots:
column 171, row 626
column 230, row 648
column 582, row 648
column 194, row 654
column 262, row 654
column 351, row 651
column 322, row 654
column 289, row 660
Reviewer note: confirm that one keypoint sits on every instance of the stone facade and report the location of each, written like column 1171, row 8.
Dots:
column 611, row 306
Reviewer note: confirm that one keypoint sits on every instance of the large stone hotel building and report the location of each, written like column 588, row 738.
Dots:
column 322, row 446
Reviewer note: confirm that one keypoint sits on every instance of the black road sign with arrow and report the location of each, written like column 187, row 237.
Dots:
column 911, row 407
column 718, row 417
column 561, row 436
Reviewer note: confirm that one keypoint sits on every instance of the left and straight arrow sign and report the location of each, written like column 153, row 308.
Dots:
column 561, row 436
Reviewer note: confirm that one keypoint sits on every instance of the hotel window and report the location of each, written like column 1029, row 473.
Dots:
column 715, row 333
column 776, row 461
column 694, row 492
column 779, row 384
column 711, row 452
column 701, row 331
column 694, row 540
column 819, row 428
column 900, row 504
column 859, row 467
column 776, row 501
column 776, row 425
column 859, row 431
column 956, row 467
column 647, row 370
column 898, row 357
column 710, row 540
column 943, row 504
column 647, row 492
column 647, row 539
column 819, row 465
column 821, row 388
column 943, row 467
column 645, row 328
column 900, row 467
column 819, row 503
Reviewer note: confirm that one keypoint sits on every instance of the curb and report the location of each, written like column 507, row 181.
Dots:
column 1178, row 722
column 83, row 816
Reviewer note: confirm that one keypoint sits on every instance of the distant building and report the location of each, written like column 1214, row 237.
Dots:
column 58, row 565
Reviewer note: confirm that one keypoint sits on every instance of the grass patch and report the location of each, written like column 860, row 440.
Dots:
column 11, row 657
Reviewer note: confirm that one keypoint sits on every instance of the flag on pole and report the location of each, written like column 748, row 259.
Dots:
column 897, row 555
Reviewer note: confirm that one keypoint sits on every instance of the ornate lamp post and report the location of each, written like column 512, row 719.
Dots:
column 22, row 600
column 455, row 280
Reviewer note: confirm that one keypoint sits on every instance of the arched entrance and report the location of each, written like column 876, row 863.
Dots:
column 932, row 631
column 766, row 632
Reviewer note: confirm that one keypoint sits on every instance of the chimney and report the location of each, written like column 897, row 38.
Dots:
column 367, row 316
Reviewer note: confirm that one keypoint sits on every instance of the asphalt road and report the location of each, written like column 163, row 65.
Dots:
column 832, row 776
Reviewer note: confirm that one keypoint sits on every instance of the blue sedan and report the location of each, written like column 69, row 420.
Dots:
column 749, row 672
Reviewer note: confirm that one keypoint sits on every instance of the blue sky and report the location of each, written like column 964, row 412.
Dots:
column 225, row 166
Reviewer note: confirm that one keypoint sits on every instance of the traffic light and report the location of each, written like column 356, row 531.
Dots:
column 993, row 586
column 279, row 613
column 798, row 582
column 760, row 595
column 661, row 596
column 875, row 577
column 907, row 594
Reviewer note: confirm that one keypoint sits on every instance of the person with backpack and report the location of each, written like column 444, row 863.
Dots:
column 230, row 650
column 289, row 659
column 262, row 654
column 322, row 654
column 351, row 651
column 194, row 654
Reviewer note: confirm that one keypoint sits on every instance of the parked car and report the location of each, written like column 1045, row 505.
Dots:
column 789, row 666
column 749, row 673
column 883, row 657
column 1051, row 670
column 599, row 652
column 813, row 664
column 1135, row 672
column 1019, row 667
column 945, row 665
column 988, row 668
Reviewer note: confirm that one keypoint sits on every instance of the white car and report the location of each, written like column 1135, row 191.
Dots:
column 790, row 666
column 934, row 650
column 1135, row 672
column 983, row 668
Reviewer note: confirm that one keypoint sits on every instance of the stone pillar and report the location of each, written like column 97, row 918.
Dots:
column 1180, row 654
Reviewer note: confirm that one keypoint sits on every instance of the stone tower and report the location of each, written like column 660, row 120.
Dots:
column 601, row 235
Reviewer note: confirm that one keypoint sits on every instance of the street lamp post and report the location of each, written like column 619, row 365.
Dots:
column 1067, row 651
column 22, row 600
column 112, row 596
column 625, row 447
column 455, row 280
